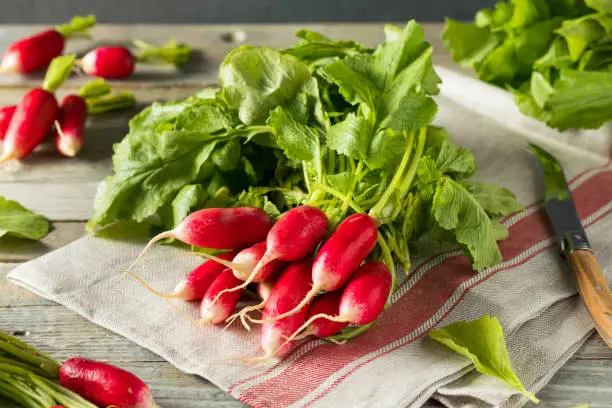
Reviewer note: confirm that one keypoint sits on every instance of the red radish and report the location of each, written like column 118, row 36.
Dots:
column 215, row 309
column 31, row 122
column 362, row 300
column 290, row 288
column 294, row 236
column 108, row 62
column 70, row 125
column 6, row 114
column 105, row 385
column 218, row 228
column 118, row 62
column 328, row 304
column 35, row 52
column 341, row 255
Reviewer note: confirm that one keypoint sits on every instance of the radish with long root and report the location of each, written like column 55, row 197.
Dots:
column 290, row 288
column 363, row 299
column 339, row 257
column 218, row 228
column 119, row 62
column 105, row 385
column 35, row 113
column 295, row 235
column 35, row 52
column 196, row 283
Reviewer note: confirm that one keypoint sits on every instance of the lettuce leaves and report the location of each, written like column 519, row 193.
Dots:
column 548, row 54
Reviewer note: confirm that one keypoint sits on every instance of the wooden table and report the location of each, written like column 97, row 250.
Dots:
column 63, row 189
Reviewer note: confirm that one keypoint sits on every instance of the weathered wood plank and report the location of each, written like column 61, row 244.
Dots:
column 210, row 42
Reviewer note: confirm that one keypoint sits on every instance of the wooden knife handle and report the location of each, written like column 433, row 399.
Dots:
column 594, row 290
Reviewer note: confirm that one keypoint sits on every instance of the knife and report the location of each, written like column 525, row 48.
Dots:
column 575, row 246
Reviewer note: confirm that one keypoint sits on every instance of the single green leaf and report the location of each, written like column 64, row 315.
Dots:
column 257, row 80
column 299, row 142
column 125, row 231
column 456, row 210
column 341, row 182
column 386, row 150
column 351, row 137
column 411, row 112
column 454, row 160
column 495, row 200
column 482, row 341
column 20, row 222
column 469, row 44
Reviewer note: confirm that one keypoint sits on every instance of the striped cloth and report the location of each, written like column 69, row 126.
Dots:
column 394, row 364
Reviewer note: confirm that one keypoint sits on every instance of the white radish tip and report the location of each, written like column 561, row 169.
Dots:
column 9, row 64
column 184, row 291
column 69, row 146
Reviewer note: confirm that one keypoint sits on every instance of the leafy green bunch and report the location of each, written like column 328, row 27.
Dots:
column 554, row 55
column 326, row 123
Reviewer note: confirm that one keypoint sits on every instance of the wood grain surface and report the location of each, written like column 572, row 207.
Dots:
column 63, row 189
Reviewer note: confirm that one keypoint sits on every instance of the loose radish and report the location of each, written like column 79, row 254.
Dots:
column 290, row 288
column 341, row 255
column 6, row 114
column 35, row 52
column 218, row 228
column 216, row 309
column 108, row 62
column 119, row 62
column 362, row 300
column 31, row 122
column 105, row 385
column 294, row 236
column 70, row 125
column 35, row 113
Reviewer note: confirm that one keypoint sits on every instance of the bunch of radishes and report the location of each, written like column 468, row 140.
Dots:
column 292, row 264
column 37, row 51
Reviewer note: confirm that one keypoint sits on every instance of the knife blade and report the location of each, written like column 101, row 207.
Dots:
column 561, row 210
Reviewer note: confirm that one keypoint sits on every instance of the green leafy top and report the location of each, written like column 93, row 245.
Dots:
column 544, row 52
column 326, row 123
column 482, row 341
